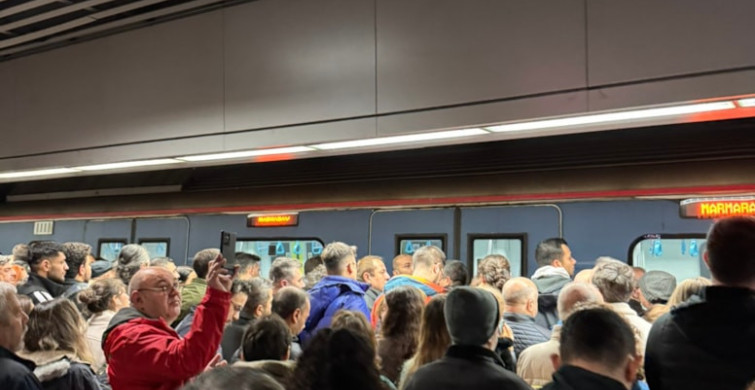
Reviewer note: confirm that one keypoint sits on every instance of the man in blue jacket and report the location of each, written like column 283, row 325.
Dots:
column 339, row 290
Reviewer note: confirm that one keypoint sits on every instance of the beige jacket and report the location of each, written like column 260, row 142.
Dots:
column 642, row 326
column 534, row 365
column 97, row 325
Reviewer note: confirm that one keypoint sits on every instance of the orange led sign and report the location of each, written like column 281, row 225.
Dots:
column 272, row 220
column 717, row 208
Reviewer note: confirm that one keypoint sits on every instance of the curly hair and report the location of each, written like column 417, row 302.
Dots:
column 131, row 259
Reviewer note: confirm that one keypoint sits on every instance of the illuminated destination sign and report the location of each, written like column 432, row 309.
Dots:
column 717, row 207
column 272, row 220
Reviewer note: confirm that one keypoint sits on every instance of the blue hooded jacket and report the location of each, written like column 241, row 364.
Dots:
column 331, row 294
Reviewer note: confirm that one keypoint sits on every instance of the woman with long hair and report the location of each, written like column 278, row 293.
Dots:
column 433, row 338
column 400, row 329
column 336, row 360
column 103, row 299
column 55, row 342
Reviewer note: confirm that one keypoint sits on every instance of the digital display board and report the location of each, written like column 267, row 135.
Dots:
column 272, row 220
column 710, row 208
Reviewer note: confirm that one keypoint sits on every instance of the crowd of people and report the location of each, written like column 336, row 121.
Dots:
column 338, row 322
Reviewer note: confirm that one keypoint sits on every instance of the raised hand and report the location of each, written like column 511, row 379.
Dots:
column 218, row 277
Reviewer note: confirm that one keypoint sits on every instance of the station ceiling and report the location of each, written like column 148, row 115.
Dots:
column 31, row 26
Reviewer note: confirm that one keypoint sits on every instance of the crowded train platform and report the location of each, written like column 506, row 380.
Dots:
column 342, row 321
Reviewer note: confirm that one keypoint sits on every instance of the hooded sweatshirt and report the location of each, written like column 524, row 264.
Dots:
column 549, row 281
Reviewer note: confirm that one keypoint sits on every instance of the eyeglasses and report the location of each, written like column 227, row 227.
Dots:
column 161, row 289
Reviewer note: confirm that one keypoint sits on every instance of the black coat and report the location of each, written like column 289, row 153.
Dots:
column 575, row 378
column 16, row 373
column 67, row 375
column 466, row 367
column 706, row 343
column 41, row 289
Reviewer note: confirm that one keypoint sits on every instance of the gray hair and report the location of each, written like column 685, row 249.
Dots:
column 575, row 293
column 334, row 254
column 131, row 259
column 615, row 280
column 260, row 290
column 283, row 269
column 314, row 276
column 6, row 292
column 5, row 260
column 428, row 256
column 287, row 300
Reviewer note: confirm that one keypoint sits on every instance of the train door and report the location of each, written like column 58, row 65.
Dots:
column 164, row 237
column 678, row 254
column 512, row 231
column 403, row 231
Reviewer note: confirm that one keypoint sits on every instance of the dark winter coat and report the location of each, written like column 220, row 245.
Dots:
column 704, row 343
column 41, row 289
column 329, row 295
column 526, row 331
column 17, row 373
column 57, row 370
column 575, row 378
column 233, row 335
column 466, row 367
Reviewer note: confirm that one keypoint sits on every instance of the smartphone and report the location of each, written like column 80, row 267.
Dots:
column 228, row 249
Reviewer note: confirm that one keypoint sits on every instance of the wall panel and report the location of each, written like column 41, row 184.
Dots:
column 642, row 39
column 434, row 53
column 298, row 61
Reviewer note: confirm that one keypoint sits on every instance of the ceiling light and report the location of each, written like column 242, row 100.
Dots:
column 127, row 164
column 592, row 119
column 245, row 153
column 38, row 172
column 401, row 139
column 749, row 102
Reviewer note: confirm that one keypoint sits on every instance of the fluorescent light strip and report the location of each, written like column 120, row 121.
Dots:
column 38, row 172
column 246, row 153
column 127, row 164
column 401, row 139
column 614, row 117
column 749, row 102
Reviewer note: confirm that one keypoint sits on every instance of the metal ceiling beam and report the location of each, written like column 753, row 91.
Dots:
column 51, row 14
column 111, row 25
column 75, row 23
column 25, row 7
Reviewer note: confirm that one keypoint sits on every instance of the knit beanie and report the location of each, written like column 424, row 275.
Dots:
column 471, row 315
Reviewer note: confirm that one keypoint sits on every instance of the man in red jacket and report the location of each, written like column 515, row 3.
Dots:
column 144, row 352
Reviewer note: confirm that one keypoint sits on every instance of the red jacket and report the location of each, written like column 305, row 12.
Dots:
column 145, row 353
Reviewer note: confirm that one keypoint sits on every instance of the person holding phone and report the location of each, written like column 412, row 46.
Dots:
column 144, row 352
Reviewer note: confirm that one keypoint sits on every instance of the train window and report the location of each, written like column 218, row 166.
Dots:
column 408, row 243
column 678, row 254
column 157, row 247
column 512, row 246
column 108, row 248
column 268, row 249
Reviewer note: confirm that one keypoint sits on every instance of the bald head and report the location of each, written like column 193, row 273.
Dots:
column 520, row 296
column 576, row 293
column 154, row 292
column 584, row 276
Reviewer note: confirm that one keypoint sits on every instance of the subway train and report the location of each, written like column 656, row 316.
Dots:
column 633, row 194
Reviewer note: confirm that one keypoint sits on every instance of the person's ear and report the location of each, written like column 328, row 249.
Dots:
column 557, row 263
column 367, row 277
column 296, row 315
column 45, row 265
column 556, row 361
column 82, row 270
column 706, row 259
column 632, row 366
column 258, row 311
column 284, row 283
